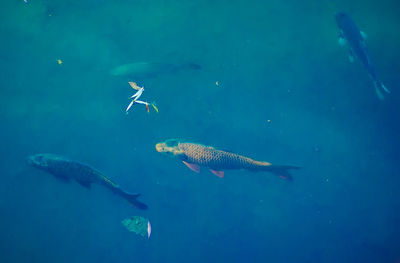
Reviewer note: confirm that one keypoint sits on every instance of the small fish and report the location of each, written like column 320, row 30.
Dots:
column 355, row 39
column 139, row 225
column 194, row 155
column 66, row 170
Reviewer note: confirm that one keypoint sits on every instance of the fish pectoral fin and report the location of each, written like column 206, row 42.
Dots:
column 192, row 166
column 220, row 174
column 351, row 56
column 342, row 41
column 85, row 184
column 381, row 90
column 363, row 35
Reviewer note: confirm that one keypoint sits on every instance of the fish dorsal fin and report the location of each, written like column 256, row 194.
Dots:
column 192, row 166
column 220, row 174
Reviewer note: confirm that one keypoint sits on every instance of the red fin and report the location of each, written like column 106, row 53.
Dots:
column 220, row 174
column 192, row 166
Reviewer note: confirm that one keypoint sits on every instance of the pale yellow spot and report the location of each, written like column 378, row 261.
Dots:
column 59, row 61
column 217, row 83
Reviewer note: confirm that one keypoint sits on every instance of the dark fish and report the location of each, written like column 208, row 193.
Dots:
column 66, row 170
column 355, row 39
column 195, row 155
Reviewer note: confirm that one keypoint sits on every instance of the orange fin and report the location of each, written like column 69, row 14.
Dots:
column 220, row 174
column 192, row 166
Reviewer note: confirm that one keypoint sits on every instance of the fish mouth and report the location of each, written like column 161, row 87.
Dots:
column 30, row 160
column 41, row 160
column 35, row 160
column 159, row 147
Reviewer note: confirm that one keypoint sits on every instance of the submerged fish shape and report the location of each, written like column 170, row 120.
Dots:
column 151, row 69
column 66, row 170
column 351, row 36
column 195, row 155
column 139, row 225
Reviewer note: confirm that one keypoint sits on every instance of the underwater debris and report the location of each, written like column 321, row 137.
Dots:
column 136, row 96
column 154, row 106
column 139, row 225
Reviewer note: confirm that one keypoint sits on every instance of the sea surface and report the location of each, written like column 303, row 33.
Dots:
column 274, row 85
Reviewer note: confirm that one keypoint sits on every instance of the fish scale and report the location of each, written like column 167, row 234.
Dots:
column 217, row 159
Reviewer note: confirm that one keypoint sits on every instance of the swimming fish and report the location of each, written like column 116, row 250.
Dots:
column 142, row 70
column 66, row 170
column 139, row 225
column 355, row 39
column 195, row 155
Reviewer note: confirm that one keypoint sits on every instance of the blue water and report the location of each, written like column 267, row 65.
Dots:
column 286, row 94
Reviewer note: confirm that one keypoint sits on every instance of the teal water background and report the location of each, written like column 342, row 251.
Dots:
column 273, row 60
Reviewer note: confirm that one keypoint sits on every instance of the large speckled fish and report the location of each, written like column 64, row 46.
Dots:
column 66, row 170
column 195, row 155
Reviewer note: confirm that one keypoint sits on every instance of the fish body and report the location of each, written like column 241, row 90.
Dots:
column 67, row 170
column 139, row 225
column 151, row 69
column 195, row 155
column 355, row 39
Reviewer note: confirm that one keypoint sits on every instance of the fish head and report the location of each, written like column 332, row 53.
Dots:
column 342, row 19
column 42, row 160
column 38, row 160
column 169, row 147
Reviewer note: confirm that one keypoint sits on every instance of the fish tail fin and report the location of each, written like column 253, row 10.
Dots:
column 381, row 90
column 132, row 198
column 281, row 170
